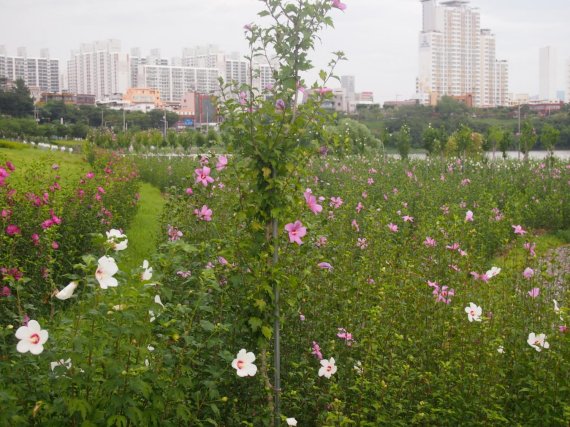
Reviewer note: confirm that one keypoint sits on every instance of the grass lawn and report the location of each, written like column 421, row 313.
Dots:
column 26, row 158
column 144, row 229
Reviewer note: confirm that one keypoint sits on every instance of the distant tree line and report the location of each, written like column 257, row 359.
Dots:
column 20, row 119
column 451, row 115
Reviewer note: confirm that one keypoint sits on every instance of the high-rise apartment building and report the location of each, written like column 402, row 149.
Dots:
column 137, row 60
column 568, row 80
column 263, row 75
column 237, row 69
column 41, row 73
column 502, row 83
column 347, row 83
column 457, row 57
column 547, row 73
column 175, row 81
column 99, row 69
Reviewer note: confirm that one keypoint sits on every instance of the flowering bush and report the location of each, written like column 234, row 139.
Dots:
column 47, row 224
column 246, row 256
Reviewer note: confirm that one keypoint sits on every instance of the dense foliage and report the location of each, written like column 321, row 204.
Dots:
column 47, row 224
column 450, row 115
column 290, row 286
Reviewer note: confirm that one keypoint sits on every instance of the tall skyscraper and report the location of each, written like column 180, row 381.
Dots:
column 347, row 83
column 568, row 80
column 457, row 57
column 41, row 73
column 99, row 69
column 548, row 63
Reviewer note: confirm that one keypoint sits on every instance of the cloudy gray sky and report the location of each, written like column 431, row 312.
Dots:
column 380, row 37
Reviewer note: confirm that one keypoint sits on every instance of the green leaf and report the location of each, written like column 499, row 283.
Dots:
column 267, row 331
column 207, row 325
column 255, row 323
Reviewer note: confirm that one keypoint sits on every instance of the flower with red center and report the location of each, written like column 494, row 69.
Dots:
column 243, row 364
column 32, row 338
column 204, row 214
column 106, row 268
column 203, row 176
column 473, row 312
column 174, row 233
column 296, row 231
column 538, row 342
column 362, row 243
column 328, row 368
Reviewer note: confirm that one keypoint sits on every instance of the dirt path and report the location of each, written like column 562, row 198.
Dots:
column 558, row 266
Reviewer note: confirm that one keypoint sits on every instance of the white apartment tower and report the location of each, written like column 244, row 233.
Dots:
column 568, row 80
column 347, row 83
column 99, row 69
column 502, row 83
column 137, row 60
column 456, row 56
column 547, row 73
column 41, row 73
column 173, row 82
column 237, row 69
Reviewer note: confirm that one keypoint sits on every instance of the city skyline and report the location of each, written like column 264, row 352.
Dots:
column 379, row 37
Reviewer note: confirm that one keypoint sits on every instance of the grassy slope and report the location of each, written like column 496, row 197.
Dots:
column 516, row 257
column 24, row 157
column 144, row 229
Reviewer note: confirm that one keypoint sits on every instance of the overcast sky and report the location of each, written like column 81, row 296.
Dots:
column 380, row 37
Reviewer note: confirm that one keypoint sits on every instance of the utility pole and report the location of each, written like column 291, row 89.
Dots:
column 124, row 120
column 519, row 150
column 165, row 124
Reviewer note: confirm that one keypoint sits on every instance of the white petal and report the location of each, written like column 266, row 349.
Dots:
column 43, row 336
column 108, row 282
column 158, row 301
column 23, row 346
column 249, row 357
column 23, row 332
column 242, row 372
column 33, row 326
column 251, row 370
column 36, row 348
column 67, row 292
